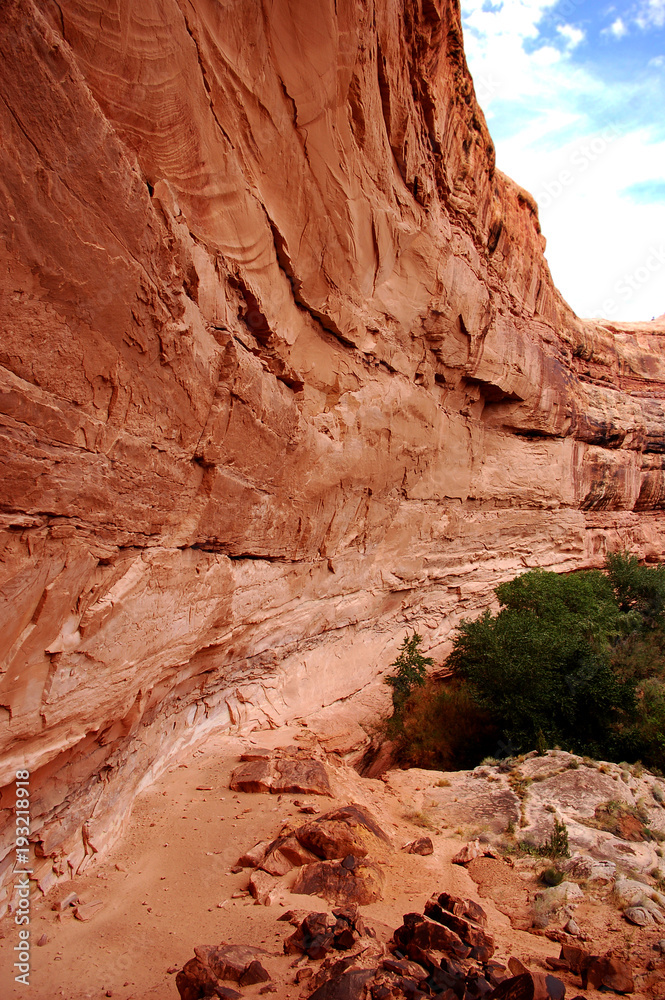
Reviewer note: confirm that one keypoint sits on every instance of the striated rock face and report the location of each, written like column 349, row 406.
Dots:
column 283, row 374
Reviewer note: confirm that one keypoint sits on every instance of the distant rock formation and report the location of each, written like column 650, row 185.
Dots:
column 284, row 374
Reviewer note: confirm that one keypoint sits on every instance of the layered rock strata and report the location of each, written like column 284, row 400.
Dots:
column 283, row 374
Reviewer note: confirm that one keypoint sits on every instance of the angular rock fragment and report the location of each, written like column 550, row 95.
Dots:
column 357, row 815
column 319, row 933
column 86, row 911
column 257, row 753
column 575, row 957
column 428, row 935
column 474, row 849
column 515, row 988
column 307, row 776
column 460, row 906
column 470, row 932
column 65, row 902
column 496, row 972
column 402, row 967
column 264, row 888
column 350, row 985
column 547, row 987
column 557, row 964
column 609, row 972
column 253, row 776
column 203, row 975
column 284, row 854
column 254, row 973
column 528, row 985
column 255, row 855
column 422, row 846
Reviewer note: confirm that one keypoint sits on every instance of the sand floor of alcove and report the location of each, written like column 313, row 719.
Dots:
column 167, row 886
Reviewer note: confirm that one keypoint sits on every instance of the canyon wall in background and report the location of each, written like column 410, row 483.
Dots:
column 283, row 375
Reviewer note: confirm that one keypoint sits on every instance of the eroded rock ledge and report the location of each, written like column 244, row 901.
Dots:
column 283, row 374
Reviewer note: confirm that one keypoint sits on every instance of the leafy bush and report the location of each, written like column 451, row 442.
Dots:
column 410, row 670
column 551, row 876
column 557, row 845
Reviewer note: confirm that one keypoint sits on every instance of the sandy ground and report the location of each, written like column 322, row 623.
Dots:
column 167, row 886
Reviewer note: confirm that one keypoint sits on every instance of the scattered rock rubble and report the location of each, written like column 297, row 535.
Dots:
column 446, row 952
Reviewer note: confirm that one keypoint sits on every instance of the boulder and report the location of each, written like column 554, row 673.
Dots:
column 313, row 937
column 403, row 967
column 575, row 957
column 284, row 854
column 528, row 985
column 459, row 906
column 357, row 815
column 350, row 881
column 254, row 973
column 630, row 892
column 331, row 839
column 229, row 961
column 255, row 855
column 281, row 774
column 548, row 902
column 581, row 866
column 307, row 776
column 195, row 981
column 252, row 776
column 638, row 915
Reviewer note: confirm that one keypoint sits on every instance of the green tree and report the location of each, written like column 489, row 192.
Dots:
column 410, row 671
column 638, row 589
column 543, row 664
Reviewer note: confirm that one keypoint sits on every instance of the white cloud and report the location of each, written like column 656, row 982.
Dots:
column 552, row 124
column 617, row 28
column 651, row 14
column 571, row 35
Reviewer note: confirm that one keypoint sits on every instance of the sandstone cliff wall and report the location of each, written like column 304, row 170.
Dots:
column 283, row 374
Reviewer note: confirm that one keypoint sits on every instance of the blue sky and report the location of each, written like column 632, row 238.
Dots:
column 574, row 95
